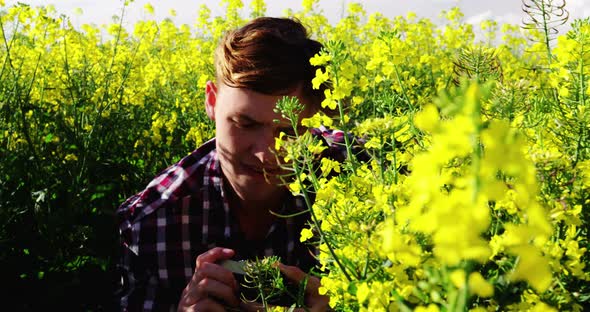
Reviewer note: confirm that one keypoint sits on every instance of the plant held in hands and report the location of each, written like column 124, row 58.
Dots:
column 264, row 283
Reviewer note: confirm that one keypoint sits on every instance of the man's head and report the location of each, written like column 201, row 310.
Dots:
column 257, row 65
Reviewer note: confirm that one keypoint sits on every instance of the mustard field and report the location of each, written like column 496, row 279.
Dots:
column 476, row 197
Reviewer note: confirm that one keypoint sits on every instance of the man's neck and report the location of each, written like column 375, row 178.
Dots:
column 254, row 216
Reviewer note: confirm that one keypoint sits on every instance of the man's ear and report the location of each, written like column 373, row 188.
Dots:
column 210, row 99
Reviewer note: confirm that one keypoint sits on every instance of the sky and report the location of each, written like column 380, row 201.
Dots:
column 100, row 12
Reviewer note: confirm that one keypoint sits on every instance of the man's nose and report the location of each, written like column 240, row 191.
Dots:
column 263, row 147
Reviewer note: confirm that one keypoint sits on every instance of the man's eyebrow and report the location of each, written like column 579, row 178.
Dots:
column 282, row 127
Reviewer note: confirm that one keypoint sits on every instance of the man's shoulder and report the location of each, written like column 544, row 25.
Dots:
column 178, row 181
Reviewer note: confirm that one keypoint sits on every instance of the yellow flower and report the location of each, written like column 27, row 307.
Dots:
column 317, row 120
column 327, row 165
column 458, row 278
column 356, row 100
column 279, row 141
column 542, row 307
column 317, row 147
column 295, row 188
column 71, row 157
column 329, row 100
column 427, row 118
column 149, row 8
column 531, row 267
column 430, row 308
column 479, row 286
column 320, row 59
column 320, row 77
column 305, row 234
column 362, row 292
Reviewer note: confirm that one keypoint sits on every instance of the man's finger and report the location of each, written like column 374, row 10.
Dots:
column 219, row 273
column 214, row 255
column 292, row 272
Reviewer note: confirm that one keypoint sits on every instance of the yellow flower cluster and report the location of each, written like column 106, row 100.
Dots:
column 450, row 207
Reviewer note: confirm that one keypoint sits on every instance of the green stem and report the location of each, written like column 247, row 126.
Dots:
column 298, row 170
column 8, row 46
column 404, row 92
column 394, row 161
column 317, row 224
column 381, row 158
column 347, row 142
column 546, row 32
column 262, row 296
column 582, row 101
column 478, row 150
column 28, row 96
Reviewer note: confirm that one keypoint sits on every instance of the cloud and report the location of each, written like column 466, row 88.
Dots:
column 509, row 18
column 476, row 19
column 575, row 4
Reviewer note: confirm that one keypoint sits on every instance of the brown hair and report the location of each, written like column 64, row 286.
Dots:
column 271, row 56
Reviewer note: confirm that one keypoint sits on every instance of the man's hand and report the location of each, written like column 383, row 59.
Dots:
column 212, row 286
column 313, row 300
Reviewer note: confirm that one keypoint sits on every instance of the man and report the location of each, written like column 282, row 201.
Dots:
column 216, row 203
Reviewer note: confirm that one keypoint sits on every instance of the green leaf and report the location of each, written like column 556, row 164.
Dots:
column 48, row 138
column 96, row 196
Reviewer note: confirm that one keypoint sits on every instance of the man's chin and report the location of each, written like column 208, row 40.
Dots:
column 257, row 192
column 268, row 177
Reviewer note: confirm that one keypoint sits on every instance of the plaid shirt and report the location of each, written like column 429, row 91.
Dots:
column 183, row 213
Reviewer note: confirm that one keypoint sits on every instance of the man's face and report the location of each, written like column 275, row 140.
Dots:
column 245, row 136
